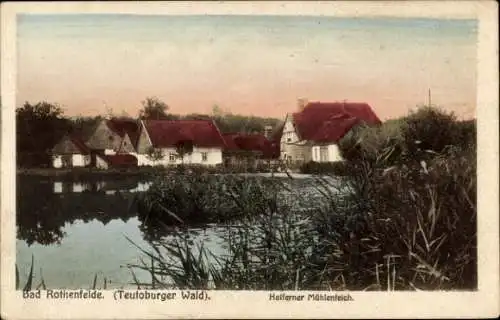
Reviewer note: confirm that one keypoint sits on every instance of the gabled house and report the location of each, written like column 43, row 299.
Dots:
column 70, row 152
column 112, row 136
column 312, row 133
column 172, row 142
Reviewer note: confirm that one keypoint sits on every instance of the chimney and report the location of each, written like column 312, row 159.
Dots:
column 301, row 104
column 268, row 131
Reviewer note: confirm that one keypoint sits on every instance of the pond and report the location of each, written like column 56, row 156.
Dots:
column 77, row 230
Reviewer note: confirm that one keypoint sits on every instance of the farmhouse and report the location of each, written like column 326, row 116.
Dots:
column 312, row 133
column 70, row 152
column 249, row 148
column 112, row 136
column 172, row 142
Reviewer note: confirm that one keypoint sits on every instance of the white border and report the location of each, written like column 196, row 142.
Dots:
column 483, row 303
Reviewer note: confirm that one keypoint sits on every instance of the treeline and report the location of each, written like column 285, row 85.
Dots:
column 41, row 125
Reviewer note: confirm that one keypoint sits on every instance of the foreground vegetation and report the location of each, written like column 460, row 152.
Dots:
column 404, row 218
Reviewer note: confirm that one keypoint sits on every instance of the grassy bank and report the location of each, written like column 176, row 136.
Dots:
column 87, row 173
column 142, row 171
column 407, row 222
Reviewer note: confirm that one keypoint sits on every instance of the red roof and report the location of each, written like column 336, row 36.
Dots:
column 229, row 140
column 252, row 142
column 124, row 126
column 120, row 160
column 329, row 122
column 167, row 133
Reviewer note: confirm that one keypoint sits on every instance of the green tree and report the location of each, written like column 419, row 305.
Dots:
column 39, row 127
column 184, row 147
column 155, row 109
column 154, row 154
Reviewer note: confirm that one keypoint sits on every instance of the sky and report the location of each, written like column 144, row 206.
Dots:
column 256, row 65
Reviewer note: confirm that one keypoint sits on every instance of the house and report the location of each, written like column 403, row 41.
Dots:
column 70, row 152
column 249, row 147
column 116, row 161
column 312, row 133
column 172, row 142
column 112, row 136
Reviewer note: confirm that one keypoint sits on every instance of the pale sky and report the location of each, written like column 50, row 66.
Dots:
column 255, row 65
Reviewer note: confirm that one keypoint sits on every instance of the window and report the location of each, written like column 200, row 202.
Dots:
column 323, row 151
column 204, row 156
column 172, row 157
column 67, row 161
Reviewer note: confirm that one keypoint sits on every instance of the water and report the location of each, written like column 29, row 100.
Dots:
column 75, row 230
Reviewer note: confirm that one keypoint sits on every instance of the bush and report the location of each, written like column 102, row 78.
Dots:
column 335, row 168
column 380, row 144
column 419, row 136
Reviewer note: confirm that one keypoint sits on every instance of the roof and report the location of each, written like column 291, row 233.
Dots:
column 118, row 160
column 251, row 142
column 329, row 122
column 125, row 126
column 70, row 145
column 167, row 133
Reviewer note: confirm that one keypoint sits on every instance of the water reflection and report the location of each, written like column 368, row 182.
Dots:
column 76, row 229
column 44, row 208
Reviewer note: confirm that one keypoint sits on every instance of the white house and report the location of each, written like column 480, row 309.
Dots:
column 70, row 152
column 169, row 142
column 312, row 133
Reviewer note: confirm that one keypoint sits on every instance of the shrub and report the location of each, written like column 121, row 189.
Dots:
column 430, row 130
column 336, row 168
column 381, row 144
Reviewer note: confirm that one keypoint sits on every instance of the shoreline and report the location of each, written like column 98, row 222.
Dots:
column 138, row 172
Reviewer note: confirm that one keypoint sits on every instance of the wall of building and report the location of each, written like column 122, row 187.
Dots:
column 291, row 148
column 77, row 160
column 104, row 138
column 213, row 156
column 57, row 162
column 334, row 153
column 101, row 163
column 126, row 145
column 143, row 143
column 326, row 153
column 80, row 160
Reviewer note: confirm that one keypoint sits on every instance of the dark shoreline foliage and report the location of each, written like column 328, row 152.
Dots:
column 403, row 219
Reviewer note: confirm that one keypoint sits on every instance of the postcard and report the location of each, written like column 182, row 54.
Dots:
column 249, row 160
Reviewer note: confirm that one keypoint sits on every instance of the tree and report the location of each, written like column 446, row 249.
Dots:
column 154, row 154
column 39, row 127
column 184, row 147
column 154, row 109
